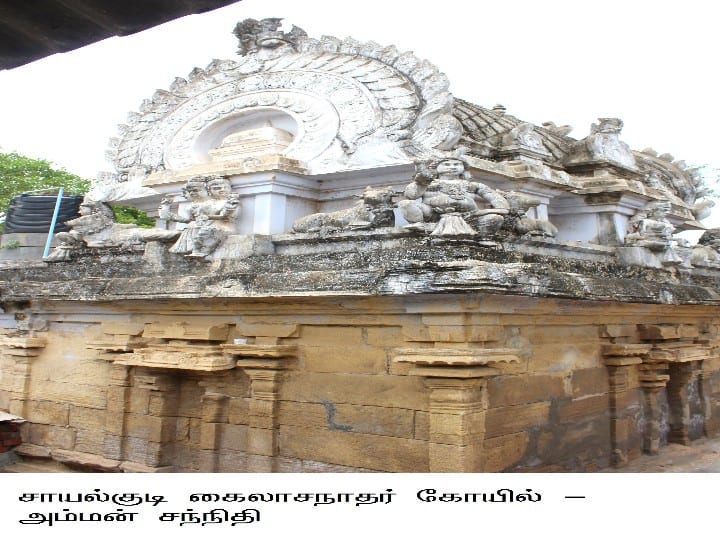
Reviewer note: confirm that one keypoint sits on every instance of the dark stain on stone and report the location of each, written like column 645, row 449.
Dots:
column 330, row 410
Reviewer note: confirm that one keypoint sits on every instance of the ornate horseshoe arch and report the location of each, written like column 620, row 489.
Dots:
column 349, row 101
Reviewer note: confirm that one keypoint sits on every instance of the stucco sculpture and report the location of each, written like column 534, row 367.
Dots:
column 208, row 217
column 374, row 210
column 96, row 228
column 443, row 196
column 604, row 145
column 535, row 310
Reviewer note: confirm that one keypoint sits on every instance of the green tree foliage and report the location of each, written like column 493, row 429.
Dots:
column 128, row 214
column 19, row 174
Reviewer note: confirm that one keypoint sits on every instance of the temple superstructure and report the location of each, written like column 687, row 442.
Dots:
column 352, row 269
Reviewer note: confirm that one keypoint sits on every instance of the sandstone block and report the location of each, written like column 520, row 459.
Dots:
column 84, row 417
column 139, row 401
column 456, row 428
column 268, row 329
column 378, row 390
column 122, row 328
column 234, row 462
column 112, row 446
column 384, row 336
column 453, row 334
column 422, row 426
column 415, row 330
column 82, row 395
column 51, row 436
column 617, row 330
column 583, row 408
column 89, row 441
column 256, row 463
column 261, row 442
column 234, row 437
column 590, row 381
column 48, row 412
column 210, row 434
column 159, row 403
column 564, row 356
column 389, row 421
column 359, row 359
column 354, row 449
column 151, row 428
column 331, row 336
column 507, row 420
column 519, row 389
column 485, row 334
column 444, row 319
column 658, row 331
column 501, row 453
column 238, row 411
column 451, row 458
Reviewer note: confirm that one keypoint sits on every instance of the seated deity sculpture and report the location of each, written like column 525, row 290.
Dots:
column 96, row 228
column 442, row 195
column 374, row 210
column 209, row 216
column 653, row 231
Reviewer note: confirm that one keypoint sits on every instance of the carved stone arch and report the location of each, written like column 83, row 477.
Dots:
column 357, row 105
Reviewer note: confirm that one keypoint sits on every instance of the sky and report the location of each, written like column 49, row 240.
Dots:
column 653, row 64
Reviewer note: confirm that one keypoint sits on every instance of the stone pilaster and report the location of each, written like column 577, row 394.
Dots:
column 214, row 416
column 22, row 349
column 680, row 376
column 457, row 384
column 264, row 365
column 621, row 360
column 160, row 422
column 652, row 380
column 118, row 394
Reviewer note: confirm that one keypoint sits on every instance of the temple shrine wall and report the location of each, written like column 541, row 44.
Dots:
column 453, row 383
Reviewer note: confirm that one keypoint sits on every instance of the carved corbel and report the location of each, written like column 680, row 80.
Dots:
column 457, row 384
column 118, row 340
column 181, row 346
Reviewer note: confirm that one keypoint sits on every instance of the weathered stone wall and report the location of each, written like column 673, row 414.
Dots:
column 470, row 382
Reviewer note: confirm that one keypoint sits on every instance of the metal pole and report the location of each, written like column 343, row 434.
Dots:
column 52, row 224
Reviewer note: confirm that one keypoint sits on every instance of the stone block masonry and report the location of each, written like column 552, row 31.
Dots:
column 363, row 384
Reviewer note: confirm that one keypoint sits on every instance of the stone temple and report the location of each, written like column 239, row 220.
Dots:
column 354, row 270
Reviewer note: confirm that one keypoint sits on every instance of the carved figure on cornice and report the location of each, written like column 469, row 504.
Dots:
column 603, row 144
column 524, row 135
column 562, row 131
column 523, row 142
column 707, row 251
column 374, row 210
column 442, row 193
column 209, row 215
column 96, row 228
column 703, row 208
column 266, row 38
column 518, row 222
column 652, row 230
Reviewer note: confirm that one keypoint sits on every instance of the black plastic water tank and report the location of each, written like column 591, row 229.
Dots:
column 33, row 213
